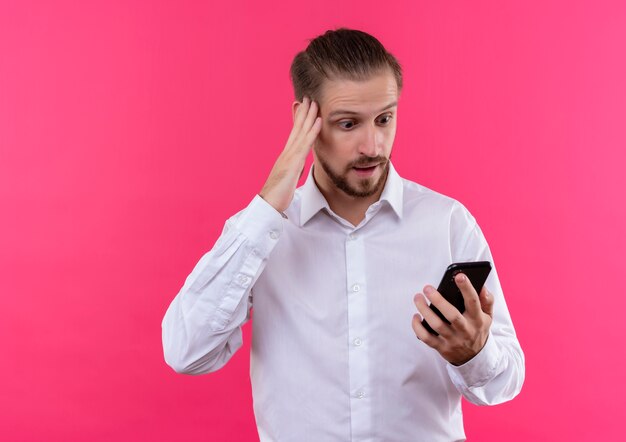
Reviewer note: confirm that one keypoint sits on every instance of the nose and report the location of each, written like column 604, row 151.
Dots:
column 371, row 145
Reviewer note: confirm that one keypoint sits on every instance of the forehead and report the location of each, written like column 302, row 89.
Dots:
column 362, row 97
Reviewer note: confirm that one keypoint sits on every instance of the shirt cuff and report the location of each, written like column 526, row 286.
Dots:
column 480, row 369
column 261, row 223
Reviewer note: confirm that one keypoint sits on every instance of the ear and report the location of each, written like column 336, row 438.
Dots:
column 294, row 108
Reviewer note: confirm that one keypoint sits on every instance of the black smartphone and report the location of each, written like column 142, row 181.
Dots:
column 477, row 272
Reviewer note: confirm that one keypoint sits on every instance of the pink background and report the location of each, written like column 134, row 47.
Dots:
column 130, row 131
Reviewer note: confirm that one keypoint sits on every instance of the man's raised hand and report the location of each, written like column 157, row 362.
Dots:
column 283, row 179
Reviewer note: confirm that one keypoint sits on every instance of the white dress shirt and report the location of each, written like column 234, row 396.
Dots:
column 333, row 354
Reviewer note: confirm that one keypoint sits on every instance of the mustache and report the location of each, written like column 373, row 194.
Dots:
column 368, row 162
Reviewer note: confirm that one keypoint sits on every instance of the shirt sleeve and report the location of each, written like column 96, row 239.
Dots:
column 201, row 329
column 496, row 373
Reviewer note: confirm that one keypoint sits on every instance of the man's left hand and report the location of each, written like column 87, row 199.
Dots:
column 467, row 333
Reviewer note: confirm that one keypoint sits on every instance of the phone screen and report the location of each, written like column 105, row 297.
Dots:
column 477, row 272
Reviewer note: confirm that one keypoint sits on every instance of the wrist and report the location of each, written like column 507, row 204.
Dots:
column 282, row 213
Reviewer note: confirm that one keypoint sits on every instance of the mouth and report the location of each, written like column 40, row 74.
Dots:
column 365, row 171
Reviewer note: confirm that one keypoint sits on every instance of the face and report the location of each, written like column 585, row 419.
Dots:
column 358, row 130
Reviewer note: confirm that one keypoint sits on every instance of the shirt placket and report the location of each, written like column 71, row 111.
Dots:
column 358, row 342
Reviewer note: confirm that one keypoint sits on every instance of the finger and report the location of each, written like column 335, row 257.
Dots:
column 311, row 115
column 450, row 312
column 306, row 133
column 313, row 133
column 470, row 297
column 300, row 117
column 298, row 120
column 430, row 316
column 301, row 113
column 424, row 335
column 311, row 128
column 486, row 301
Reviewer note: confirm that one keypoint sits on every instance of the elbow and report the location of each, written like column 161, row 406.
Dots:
column 176, row 363
column 176, row 356
column 182, row 368
column 198, row 356
column 177, row 350
column 186, row 365
column 183, row 361
column 174, row 359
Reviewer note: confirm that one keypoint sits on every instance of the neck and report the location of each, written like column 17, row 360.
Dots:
column 350, row 208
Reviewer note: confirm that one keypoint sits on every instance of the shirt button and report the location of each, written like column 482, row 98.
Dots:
column 360, row 394
column 243, row 280
column 356, row 288
column 351, row 236
column 357, row 341
column 273, row 234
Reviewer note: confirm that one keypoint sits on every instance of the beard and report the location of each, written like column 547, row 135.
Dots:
column 365, row 187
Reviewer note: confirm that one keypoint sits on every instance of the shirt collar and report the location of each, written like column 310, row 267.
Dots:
column 312, row 200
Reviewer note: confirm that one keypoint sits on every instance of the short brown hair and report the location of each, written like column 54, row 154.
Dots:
column 341, row 53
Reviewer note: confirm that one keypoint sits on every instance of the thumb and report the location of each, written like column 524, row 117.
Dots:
column 486, row 301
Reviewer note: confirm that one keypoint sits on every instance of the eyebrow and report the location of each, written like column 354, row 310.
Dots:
column 349, row 112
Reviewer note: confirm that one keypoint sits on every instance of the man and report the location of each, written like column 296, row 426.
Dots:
column 333, row 270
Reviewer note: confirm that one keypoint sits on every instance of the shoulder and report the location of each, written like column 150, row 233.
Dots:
column 417, row 195
column 443, row 210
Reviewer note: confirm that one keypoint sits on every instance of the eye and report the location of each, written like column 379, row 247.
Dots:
column 387, row 119
column 350, row 122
